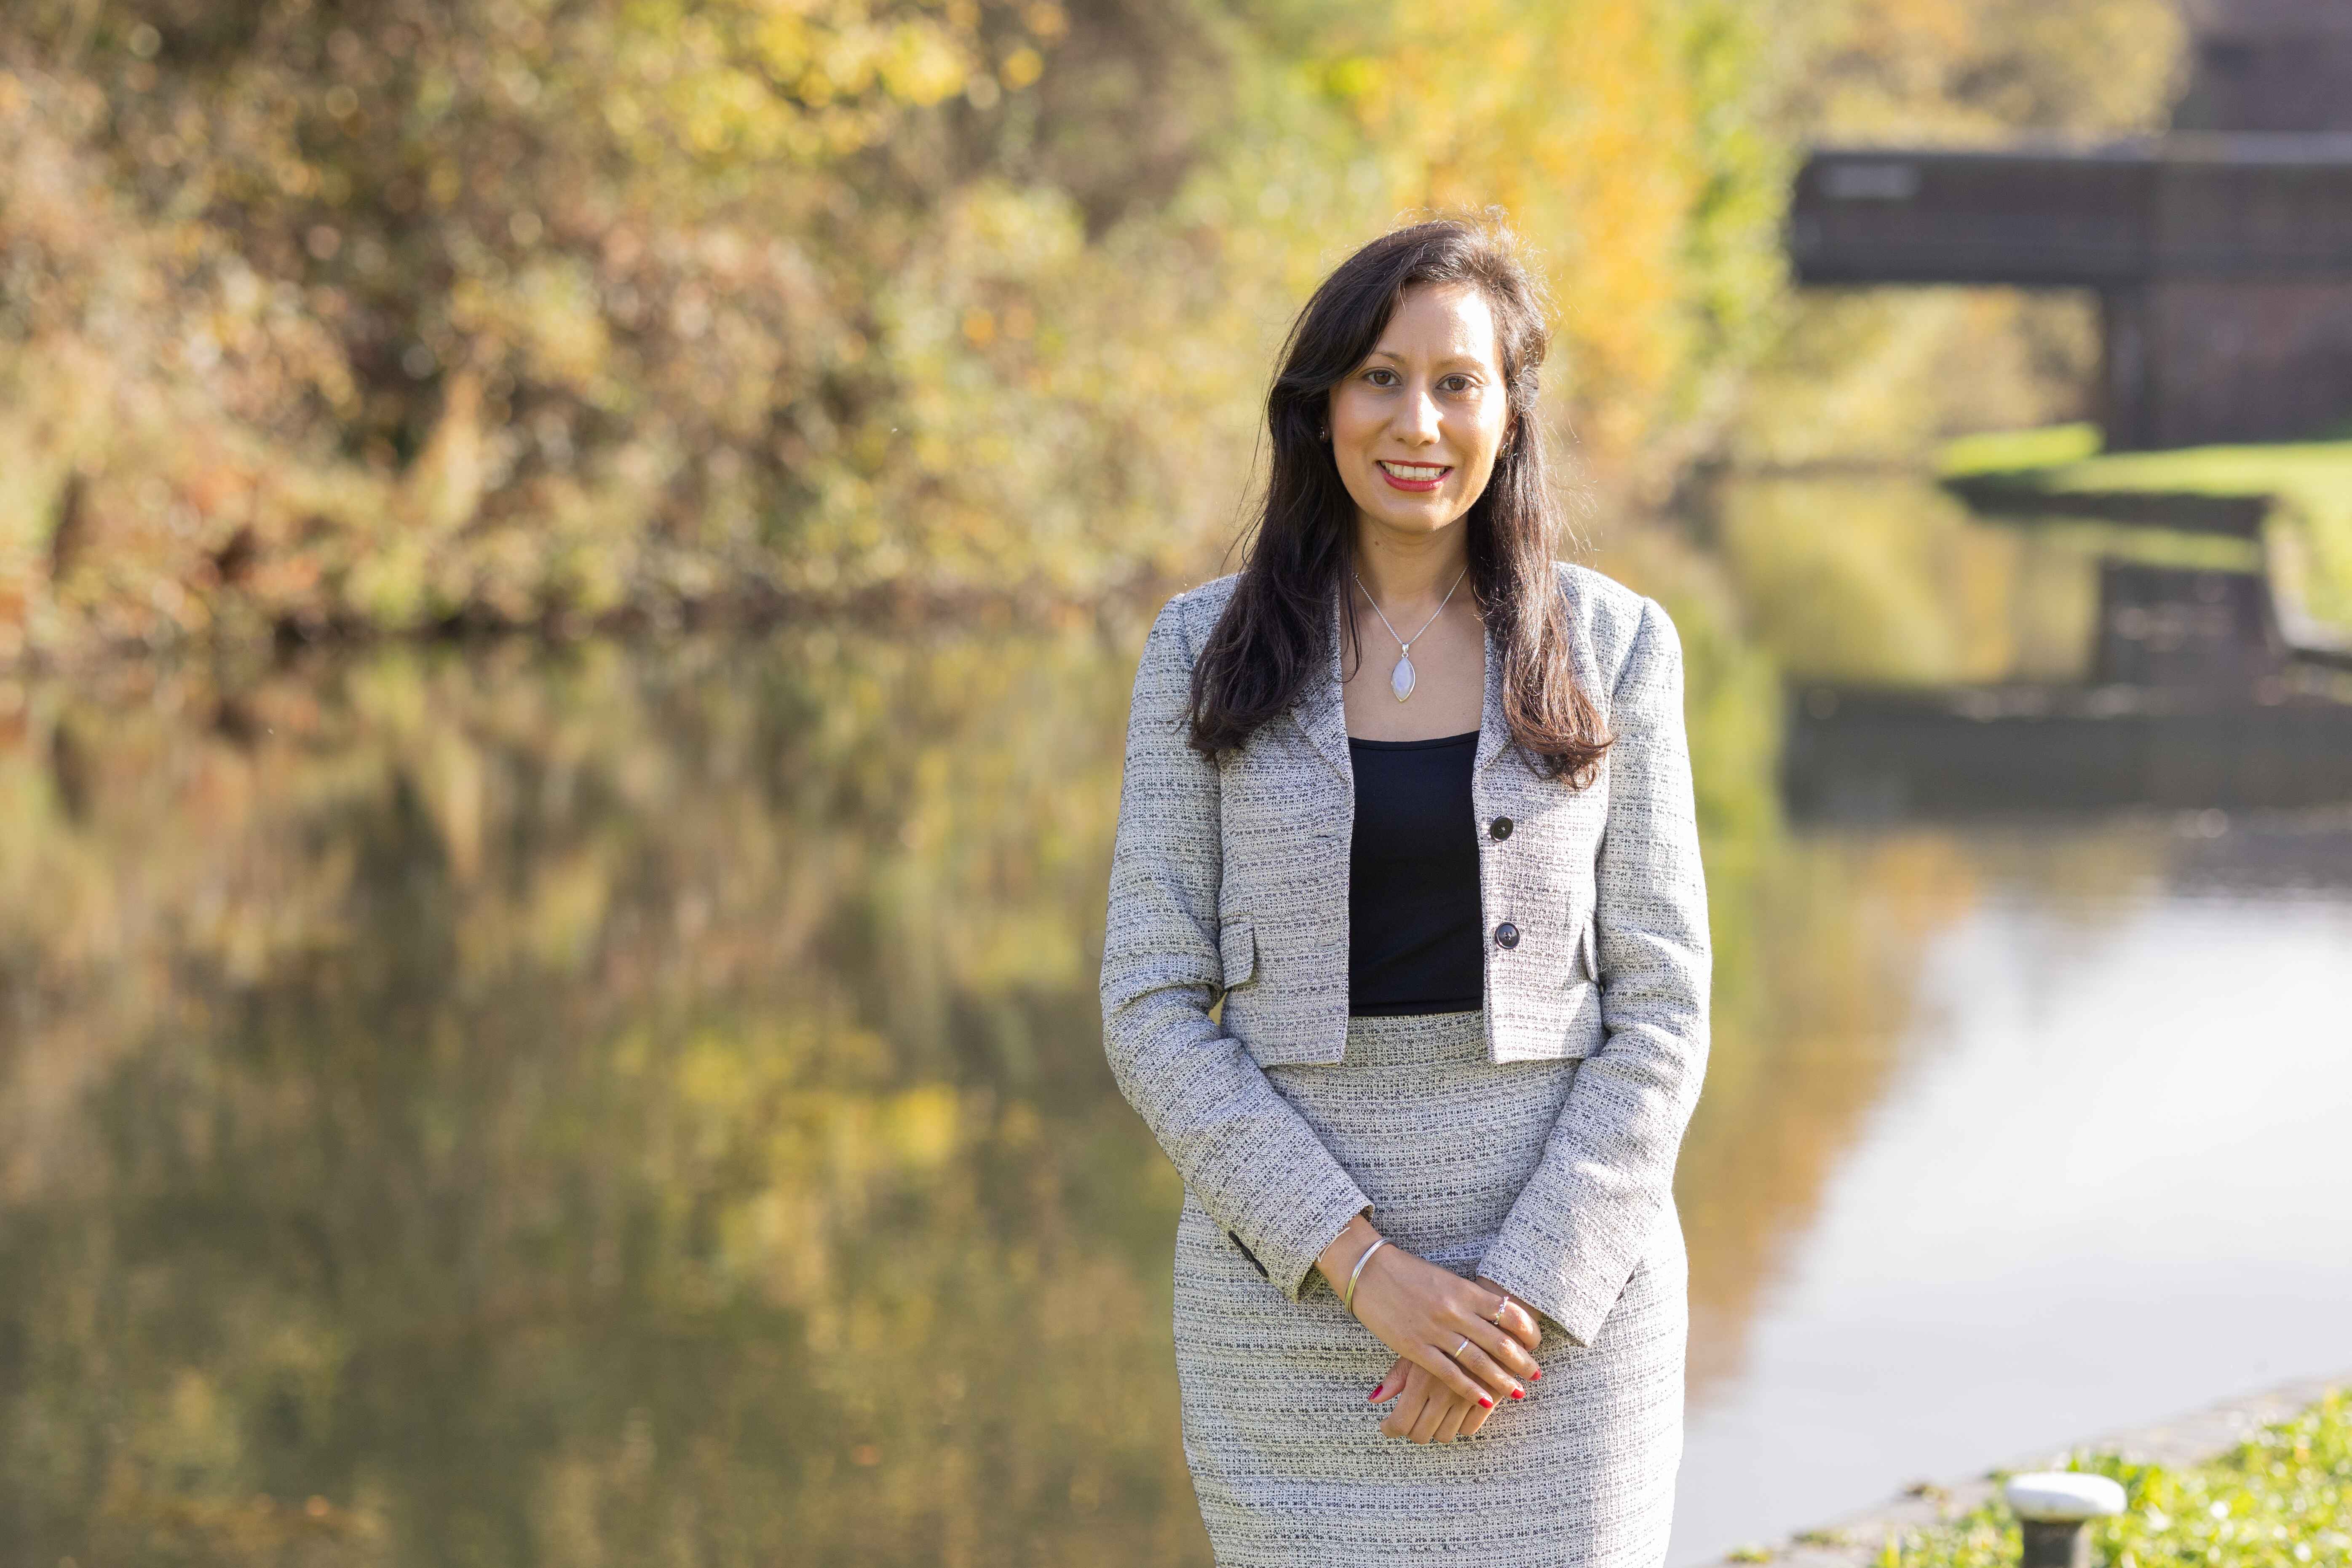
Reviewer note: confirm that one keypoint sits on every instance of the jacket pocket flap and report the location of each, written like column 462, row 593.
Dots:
column 1237, row 950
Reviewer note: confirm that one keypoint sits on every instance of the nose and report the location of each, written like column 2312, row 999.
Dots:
column 1417, row 420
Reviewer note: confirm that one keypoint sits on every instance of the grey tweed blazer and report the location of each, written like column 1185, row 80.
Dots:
column 1229, row 882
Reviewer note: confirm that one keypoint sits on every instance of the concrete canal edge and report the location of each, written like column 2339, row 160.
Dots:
column 1856, row 1542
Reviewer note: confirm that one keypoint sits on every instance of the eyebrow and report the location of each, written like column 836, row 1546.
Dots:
column 1471, row 359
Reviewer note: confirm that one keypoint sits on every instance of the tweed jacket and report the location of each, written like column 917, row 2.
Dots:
column 1225, row 950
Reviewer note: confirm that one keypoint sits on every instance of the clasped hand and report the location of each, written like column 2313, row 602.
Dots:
column 1424, row 1314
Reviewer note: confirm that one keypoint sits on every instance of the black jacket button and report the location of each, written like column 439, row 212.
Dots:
column 1500, row 827
column 1506, row 935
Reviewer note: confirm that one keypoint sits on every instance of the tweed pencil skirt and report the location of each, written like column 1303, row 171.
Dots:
column 1286, row 1455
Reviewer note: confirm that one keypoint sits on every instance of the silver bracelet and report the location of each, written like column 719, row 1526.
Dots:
column 1348, row 1302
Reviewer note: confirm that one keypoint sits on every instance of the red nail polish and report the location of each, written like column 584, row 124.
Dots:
column 1519, row 1394
column 1377, row 1390
column 1536, row 1376
column 1486, row 1402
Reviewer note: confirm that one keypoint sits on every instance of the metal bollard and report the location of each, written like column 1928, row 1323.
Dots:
column 2052, row 1507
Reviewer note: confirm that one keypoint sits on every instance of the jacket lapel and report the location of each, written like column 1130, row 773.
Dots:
column 1494, row 728
column 1321, row 713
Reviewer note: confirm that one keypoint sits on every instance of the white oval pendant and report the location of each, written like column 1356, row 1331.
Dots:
column 1401, row 678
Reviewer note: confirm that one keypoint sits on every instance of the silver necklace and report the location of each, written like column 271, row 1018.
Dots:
column 1401, row 678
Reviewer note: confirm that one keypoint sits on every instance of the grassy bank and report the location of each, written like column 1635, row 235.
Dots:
column 2282, row 1500
column 2296, row 496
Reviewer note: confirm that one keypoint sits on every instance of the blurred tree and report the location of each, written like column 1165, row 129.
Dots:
column 395, row 314
column 435, row 311
column 1947, row 70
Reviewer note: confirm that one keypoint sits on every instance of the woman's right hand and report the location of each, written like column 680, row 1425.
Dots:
column 1426, row 1411
column 1424, row 1313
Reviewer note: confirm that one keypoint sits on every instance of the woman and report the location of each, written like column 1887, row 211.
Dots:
column 1413, row 800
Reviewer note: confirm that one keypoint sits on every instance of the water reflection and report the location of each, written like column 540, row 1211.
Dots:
column 2102, row 1182
column 612, row 1105
column 597, row 1108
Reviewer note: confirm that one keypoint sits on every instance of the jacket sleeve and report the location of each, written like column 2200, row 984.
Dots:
column 1251, row 1160
column 1586, row 1217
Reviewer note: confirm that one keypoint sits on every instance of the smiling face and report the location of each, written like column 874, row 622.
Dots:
column 1415, row 428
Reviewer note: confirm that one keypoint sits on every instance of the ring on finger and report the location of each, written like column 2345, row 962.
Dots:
column 1462, row 1346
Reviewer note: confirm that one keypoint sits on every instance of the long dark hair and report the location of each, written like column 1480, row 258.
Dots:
column 1273, row 635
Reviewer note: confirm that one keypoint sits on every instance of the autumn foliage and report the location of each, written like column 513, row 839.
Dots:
column 321, row 315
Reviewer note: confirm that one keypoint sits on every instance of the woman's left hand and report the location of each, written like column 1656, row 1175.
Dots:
column 1518, row 1319
column 1426, row 1411
column 1457, row 1332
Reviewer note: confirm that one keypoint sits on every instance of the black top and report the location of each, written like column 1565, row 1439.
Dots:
column 1413, row 922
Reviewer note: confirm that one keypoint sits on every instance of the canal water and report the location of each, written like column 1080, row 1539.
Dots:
column 608, row 1105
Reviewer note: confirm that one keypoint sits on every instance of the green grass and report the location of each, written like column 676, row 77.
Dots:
column 2308, row 536
column 2018, row 451
column 2281, row 1500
